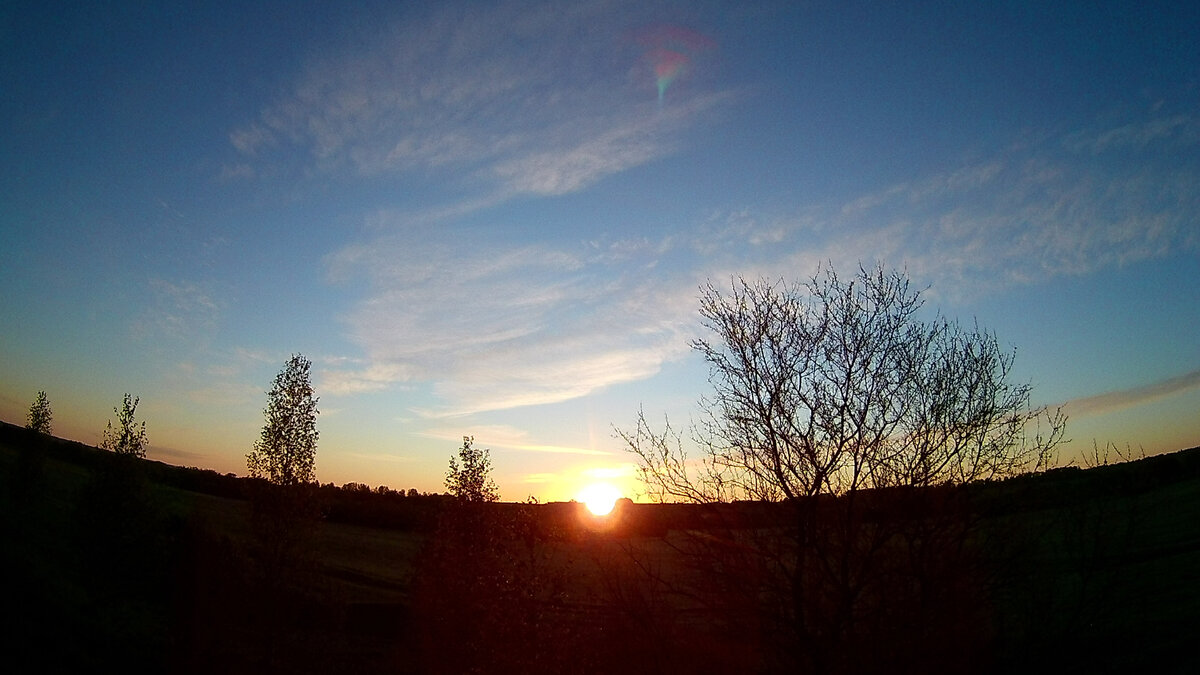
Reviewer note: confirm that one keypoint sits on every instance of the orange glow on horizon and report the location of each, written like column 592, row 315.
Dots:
column 600, row 498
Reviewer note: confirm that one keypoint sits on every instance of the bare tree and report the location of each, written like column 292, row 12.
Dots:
column 828, row 395
column 128, row 438
column 1111, row 454
column 469, row 476
column 837, row 386
column 286, row 452
column 40, row 414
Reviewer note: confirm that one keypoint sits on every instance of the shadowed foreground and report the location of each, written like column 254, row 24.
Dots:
column 136, row 564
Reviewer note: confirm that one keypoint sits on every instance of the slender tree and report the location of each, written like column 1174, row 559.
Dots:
column 286, row 452
column 40, row 414
column 469, row 477
column 128, row 438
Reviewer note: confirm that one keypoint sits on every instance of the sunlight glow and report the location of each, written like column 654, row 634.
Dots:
column 600, row 498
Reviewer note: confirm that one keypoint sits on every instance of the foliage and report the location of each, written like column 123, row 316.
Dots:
column 128, row 438
column 286, row 452
column 469, row 477
column 40, row 414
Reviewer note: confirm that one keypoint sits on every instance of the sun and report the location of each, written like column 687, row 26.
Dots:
column 600, row 498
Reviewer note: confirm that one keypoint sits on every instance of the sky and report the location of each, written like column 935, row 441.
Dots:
column 492, row 219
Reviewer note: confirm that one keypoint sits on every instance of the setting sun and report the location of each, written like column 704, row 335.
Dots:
column 600, row 498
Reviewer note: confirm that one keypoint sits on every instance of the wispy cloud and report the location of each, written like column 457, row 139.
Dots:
column 489, row 103
column 1126, row 398
column 1037, row 211
column 498, row 100
column 227, row 379
column 1137, row 135
column 1066, row 205
column 523, row 325
column 510, row 327
column 369, row 378
column 178, row 311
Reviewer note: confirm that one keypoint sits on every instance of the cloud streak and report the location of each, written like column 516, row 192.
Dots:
column 1127, row 398
column 182, row 311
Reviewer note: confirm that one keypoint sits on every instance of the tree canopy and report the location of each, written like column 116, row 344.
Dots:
column 286, row 452
column 40, row 414
column 128, row 438
column 469, row 476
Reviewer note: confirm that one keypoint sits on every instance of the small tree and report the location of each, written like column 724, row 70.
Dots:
column 128, row 438
column 487, row 585
column 40, row 414
column 286, row 453
column 469, row 477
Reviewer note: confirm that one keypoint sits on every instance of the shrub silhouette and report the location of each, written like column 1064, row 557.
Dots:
column 128, row 438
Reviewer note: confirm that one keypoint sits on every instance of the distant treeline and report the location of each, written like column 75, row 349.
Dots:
column 360, row 504
column 353, row 503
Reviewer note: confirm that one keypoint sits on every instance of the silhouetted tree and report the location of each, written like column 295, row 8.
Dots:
column 286, row 453
column 823, row 391
column 128, row 438
column 469, row 477
column 837, row 386
column 285, row 516
column 40, row 414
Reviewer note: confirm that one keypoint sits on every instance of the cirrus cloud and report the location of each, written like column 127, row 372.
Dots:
column 509, row 328
column 518, row 98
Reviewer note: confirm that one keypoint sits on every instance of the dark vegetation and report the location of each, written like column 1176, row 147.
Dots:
column 114, row 561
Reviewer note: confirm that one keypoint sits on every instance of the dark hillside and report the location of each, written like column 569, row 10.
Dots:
column 1098, row 569
column 145, row 566
column 149, row 566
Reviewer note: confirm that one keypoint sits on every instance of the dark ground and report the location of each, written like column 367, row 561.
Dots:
column 146, row 567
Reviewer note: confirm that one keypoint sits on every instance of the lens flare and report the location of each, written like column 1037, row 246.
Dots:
column 671, row 51
column 668, row 65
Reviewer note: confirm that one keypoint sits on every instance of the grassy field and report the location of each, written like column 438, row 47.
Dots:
column 114, row 565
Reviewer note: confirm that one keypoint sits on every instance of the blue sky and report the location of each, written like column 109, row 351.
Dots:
column 492, row 218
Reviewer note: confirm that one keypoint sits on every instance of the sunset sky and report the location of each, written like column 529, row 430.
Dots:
column 492, row 218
